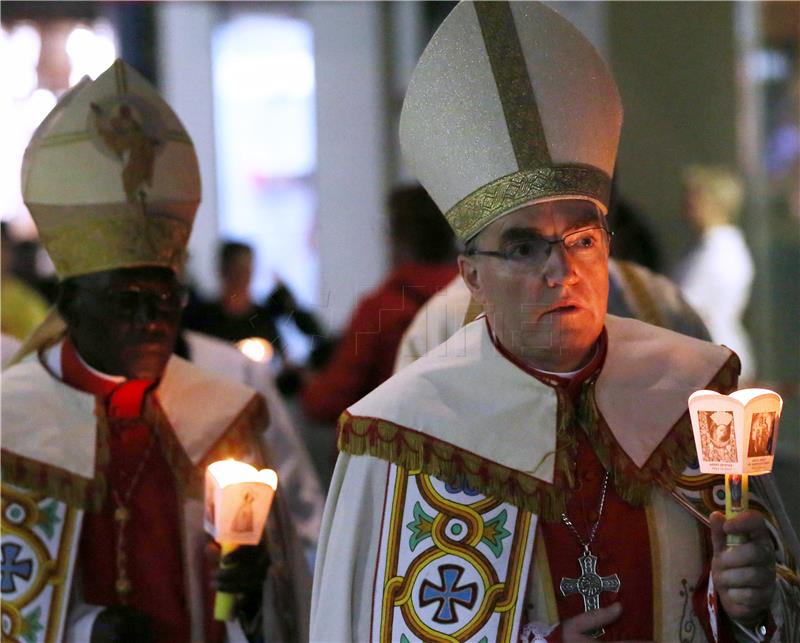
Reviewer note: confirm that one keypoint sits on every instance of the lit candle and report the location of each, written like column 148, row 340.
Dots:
column 257, row 350
column 735, row 435
column 238, row 498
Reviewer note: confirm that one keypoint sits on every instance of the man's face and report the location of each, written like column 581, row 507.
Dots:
column 548, row 316
column 125, row 322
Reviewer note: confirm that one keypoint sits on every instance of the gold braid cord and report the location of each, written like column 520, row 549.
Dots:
column 478, row 209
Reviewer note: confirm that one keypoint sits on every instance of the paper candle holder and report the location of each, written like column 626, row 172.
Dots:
column 238, row 498
column 736, row 433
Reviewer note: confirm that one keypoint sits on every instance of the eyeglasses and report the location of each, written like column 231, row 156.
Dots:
column 127, row 303
column 532, row 252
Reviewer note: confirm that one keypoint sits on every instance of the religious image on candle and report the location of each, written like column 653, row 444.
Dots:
column 717, row 436
column 237, row 501
column 762, row 435
column 736, row 433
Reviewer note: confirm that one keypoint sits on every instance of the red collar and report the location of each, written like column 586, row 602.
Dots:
column 123, row 399
column 569, row 383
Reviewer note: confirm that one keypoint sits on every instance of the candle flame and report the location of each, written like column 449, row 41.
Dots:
column 228, row 472
column 256, row 349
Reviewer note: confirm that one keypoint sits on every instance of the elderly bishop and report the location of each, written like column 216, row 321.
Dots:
column 531, row 478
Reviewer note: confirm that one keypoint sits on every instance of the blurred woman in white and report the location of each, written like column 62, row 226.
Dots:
column 717, row 275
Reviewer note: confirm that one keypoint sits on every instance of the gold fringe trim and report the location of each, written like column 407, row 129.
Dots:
column 187, row 478
column 635, row 485
column 54, row 482
column 416, row 451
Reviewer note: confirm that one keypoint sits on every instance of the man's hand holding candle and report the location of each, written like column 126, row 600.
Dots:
column 736, row 435
column 238, row 499
column 744, row 575
column 241, row 572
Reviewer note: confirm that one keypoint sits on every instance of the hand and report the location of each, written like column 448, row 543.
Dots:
column 744, row 575
column 121, row 624
column 573, row 629
column 241, row 572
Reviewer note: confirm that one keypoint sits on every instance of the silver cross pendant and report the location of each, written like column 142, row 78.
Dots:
column 589, row 585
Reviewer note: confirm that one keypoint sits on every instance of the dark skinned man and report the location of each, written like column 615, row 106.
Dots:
column 106, row 433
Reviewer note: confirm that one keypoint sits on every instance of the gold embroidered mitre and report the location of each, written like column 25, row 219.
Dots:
column 509, row 105
column 111, row 177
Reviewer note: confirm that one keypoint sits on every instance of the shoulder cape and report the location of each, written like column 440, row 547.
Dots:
column 464, row 412
column 54, row 435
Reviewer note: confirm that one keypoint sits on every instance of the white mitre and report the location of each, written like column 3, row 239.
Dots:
column 509, row 105
column 111, row 177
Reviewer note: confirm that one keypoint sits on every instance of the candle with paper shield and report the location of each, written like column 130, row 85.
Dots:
column 237, row 502
column 735, row 435
column 256, row 349
column 258, row 352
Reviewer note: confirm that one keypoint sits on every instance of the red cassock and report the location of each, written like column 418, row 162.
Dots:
column 152, row 536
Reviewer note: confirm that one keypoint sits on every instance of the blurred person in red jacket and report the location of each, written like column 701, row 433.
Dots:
column 423, row 259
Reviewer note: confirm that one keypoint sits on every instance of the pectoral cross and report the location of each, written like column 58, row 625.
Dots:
column 589, row 585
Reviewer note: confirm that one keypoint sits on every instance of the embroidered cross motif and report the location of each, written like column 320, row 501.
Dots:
column 448, row 594
column 589, row 585
column 12, row 567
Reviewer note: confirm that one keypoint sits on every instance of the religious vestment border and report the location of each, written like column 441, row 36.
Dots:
column 39, row 544
column 453, row 563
